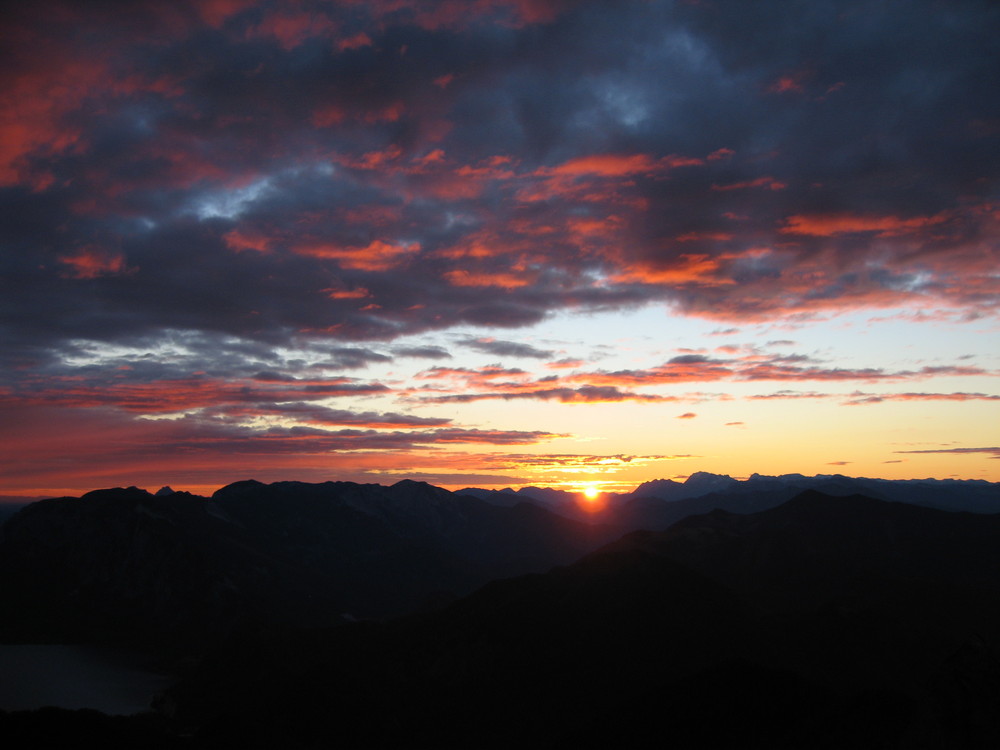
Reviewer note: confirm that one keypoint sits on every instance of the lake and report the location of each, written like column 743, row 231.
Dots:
column 113, row 681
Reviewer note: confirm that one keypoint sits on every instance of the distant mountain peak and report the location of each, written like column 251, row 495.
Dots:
column 706, row 477
column 115, row 493
column 411, row 483
column 164, row 491
column 236, row 488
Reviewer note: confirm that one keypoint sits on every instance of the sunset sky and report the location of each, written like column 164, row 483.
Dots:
column 497, row 242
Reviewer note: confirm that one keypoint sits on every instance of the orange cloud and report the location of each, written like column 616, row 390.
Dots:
column 829, row 225
column 356, row 41
column 372, row 159
column 705, row 236
column 185, row 394
column 617, row 165
column 91, row 262
column 688, row 268
column 358, row 293
column 461, row 277
column 765, row 182
column 376, row 256
column 239, row 240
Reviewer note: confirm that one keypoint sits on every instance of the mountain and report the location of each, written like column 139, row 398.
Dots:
column 658, row 504
column 568, row 504
column 826, row 622
column 974, row 495
column 699, row 483
column 661, row 502
column 124, row 564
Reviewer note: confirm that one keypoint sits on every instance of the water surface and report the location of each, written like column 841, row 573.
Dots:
column 69, row 676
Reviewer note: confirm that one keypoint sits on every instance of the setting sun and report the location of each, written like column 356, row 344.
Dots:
column 591, row 492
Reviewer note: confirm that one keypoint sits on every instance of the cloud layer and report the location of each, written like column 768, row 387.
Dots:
column 228, row 209
column 365, row 170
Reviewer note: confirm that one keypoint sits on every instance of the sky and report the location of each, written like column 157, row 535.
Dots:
column 497, row 243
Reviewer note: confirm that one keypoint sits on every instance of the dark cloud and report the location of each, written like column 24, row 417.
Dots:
column 995, row 451
column 506, row 348
column 316, row 414
column 364, row 173
column 349, row 358
column 422, row 352
column 222, row 204
column 858, row 398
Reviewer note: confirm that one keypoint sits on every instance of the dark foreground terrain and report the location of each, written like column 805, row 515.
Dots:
column 825, row 622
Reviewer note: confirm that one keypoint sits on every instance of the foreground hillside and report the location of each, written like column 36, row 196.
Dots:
column 828, row 622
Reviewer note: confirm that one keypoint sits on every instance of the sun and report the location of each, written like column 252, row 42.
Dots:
column 591, row 492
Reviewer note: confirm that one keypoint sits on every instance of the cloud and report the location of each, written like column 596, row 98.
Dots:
column 765, row 181
column 687, row 415
column 861, row 398
column 994, row 452
column 832, row 225
column 167, row 396
column 349, row 358
column 91, row 263
column 858, row 398
column 494, row 382
column 422, row 352
column 297, row 158
column 315, row 414
column 506, row 348
column 212, row 185
column 582, row 394
column 565, row 364
column 567, row 461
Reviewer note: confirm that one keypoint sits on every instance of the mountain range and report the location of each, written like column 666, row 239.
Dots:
column 350, row 615
column 124, row 563
column 824, row 622
column 659, row 503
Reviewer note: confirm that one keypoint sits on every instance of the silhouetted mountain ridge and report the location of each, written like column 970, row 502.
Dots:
column 661, row 502
column 122, row 562
column 833, row 622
